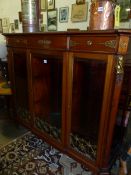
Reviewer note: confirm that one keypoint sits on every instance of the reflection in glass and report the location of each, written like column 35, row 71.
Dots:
column 87, row 94
column 47, row 93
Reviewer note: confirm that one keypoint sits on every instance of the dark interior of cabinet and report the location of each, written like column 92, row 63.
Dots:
column 87, row 95
column 21, row 84
column 47, row 92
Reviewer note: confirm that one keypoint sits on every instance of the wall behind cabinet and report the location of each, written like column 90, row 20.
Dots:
column 11, row 8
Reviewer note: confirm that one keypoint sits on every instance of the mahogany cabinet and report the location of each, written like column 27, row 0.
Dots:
column 68, row 89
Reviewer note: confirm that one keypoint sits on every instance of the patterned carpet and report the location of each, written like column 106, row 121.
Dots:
column 28, row 155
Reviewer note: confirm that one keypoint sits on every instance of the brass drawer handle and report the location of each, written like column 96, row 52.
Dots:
column 89, row 42
column 109, row 43
column 44, row 42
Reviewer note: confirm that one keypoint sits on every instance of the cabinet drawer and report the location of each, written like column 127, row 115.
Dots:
column 17, row 42
column 93, row 44
column 48, row 42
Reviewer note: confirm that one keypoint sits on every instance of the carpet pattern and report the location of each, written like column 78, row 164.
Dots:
column 28, row 155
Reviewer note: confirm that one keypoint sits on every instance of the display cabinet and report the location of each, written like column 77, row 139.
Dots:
column 68, row 88
column 47, row 80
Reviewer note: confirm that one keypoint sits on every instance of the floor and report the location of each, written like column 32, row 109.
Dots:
column 10, row 130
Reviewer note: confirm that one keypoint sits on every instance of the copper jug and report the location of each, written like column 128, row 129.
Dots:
column 101, row 15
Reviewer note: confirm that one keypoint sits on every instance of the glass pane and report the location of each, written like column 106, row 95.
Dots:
column 87, row 94
column 21, row 86
column 47, row 92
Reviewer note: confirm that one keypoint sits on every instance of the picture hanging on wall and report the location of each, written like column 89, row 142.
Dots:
column 16, row 22
column 80, row 2
column 63, row 14
column 20, row 16
column 5, row 29
column 79, row 12
column 43, row 5
column 1, row 26
column 12, row 27
column 52, row 20
column 125, row 10
column 5, row 22
column 50, row 4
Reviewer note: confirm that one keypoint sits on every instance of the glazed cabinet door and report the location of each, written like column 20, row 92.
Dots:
column 47, row 94
column 90, row 79
column 19, row 79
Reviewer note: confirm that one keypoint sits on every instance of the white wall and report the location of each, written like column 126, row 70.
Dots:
column 69, row 24
column 8, row 9
column 11, row 8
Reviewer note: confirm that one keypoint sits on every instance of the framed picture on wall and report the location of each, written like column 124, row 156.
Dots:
column 52, row 20
column 63, row 14
column 5, row 22
column 80, row 2
column 50, row 4
column 16, row 22
column 43, row 5
column 5, row 29
column 125, row 13
column 12, row 27
column 79, row 12
column 20, row 16
column 1, row 26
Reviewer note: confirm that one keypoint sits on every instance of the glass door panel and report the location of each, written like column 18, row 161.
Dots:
column 87, row 95
column 47, row 72
column 21, row 86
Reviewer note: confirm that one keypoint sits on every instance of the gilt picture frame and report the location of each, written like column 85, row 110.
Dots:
column 79, row 12
column 52, row 20
column 125, row 10
column 43, row 5
column 1, row 30
column 80, row 2
column 50, row 4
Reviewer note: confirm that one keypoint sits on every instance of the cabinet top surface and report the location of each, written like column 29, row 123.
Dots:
column 104, row 41
column 89, row 32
